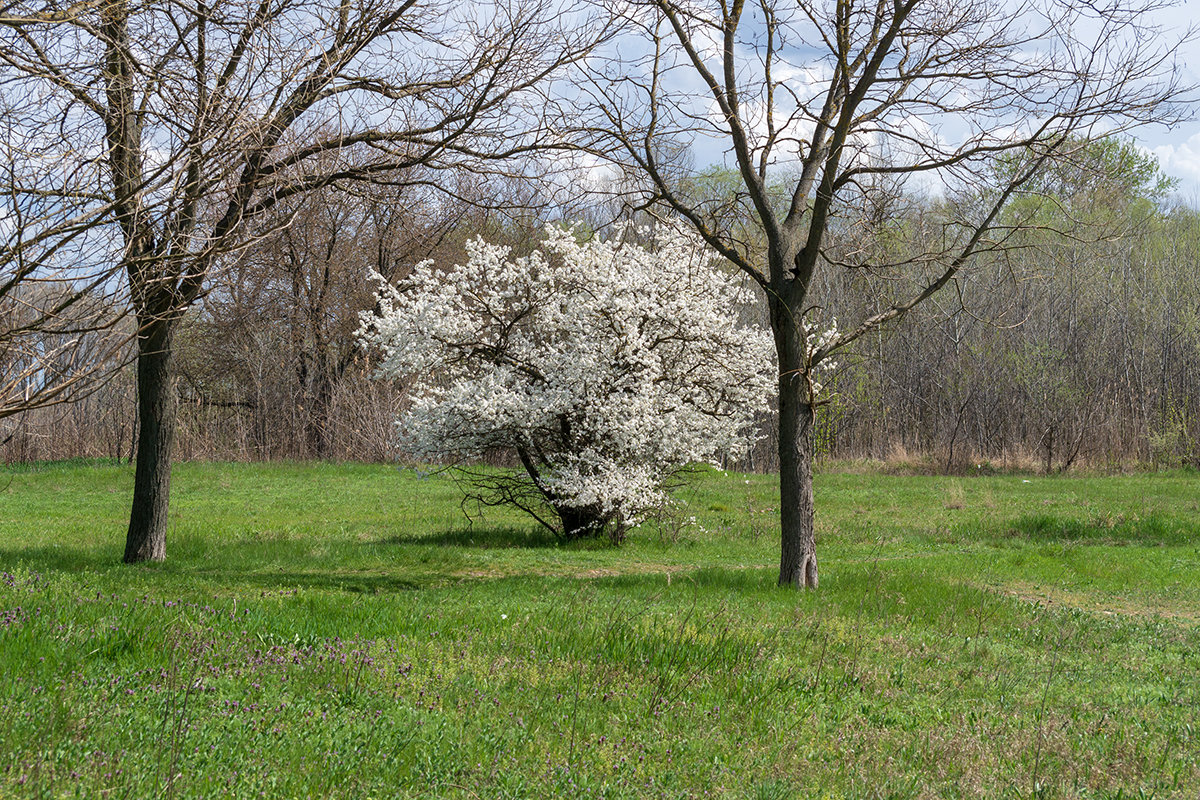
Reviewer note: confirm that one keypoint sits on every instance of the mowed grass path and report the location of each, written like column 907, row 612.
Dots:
column 327, row 630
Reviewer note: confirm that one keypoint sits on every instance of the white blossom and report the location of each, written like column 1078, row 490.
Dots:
column 604, row 365
column 817, row 341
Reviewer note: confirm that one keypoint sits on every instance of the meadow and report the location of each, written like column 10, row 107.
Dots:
column 334, row 630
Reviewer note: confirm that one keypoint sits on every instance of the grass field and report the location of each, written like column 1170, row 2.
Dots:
column 325, row 630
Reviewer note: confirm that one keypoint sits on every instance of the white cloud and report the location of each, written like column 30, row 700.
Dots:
column 1182, row 160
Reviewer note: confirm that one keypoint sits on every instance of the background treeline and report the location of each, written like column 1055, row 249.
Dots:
column 1073, row 339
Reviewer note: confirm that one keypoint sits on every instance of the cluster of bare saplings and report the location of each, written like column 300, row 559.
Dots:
column 219, row 175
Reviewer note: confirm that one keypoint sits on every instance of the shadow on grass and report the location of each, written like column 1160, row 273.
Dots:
column 408, row 562
column 484, row 538
column 63, row 559
column 323, row 581
column 184, row 571
column 25, row 467
column 1105, row 529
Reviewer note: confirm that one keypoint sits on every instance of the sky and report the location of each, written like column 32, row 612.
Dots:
column 1178, row 150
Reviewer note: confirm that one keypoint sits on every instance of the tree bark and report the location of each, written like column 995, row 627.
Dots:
column 316, row 423
column 147, row 536
column 576, row 523
column 798, row 544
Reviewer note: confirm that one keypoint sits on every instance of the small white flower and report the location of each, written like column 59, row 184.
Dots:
column 504, row 616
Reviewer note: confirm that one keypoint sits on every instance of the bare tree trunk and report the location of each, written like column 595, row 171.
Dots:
column 798, row 550
column 317, row 421
column 798, row 544
column 147, row 536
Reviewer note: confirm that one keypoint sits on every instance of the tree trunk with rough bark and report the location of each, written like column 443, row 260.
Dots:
column 147, row 536
column 798, row 544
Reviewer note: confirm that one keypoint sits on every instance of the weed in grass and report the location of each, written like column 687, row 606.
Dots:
column 956, row 498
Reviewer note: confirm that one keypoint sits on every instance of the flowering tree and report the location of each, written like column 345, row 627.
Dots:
column 605, row 366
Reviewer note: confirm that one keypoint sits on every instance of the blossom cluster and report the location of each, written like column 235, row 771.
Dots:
column 818, row 341
column 605, row 365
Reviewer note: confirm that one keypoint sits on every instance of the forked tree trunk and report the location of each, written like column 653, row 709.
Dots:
column 147, row 536
column 575, row 523
column 798, row 545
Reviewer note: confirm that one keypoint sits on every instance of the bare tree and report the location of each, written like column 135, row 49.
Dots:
column 58, row 341
column 275, row 341
column 847, row 105
column 57, row 326
column 171, row 127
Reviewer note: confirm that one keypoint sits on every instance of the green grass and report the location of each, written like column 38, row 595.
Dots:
column 329, row 630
